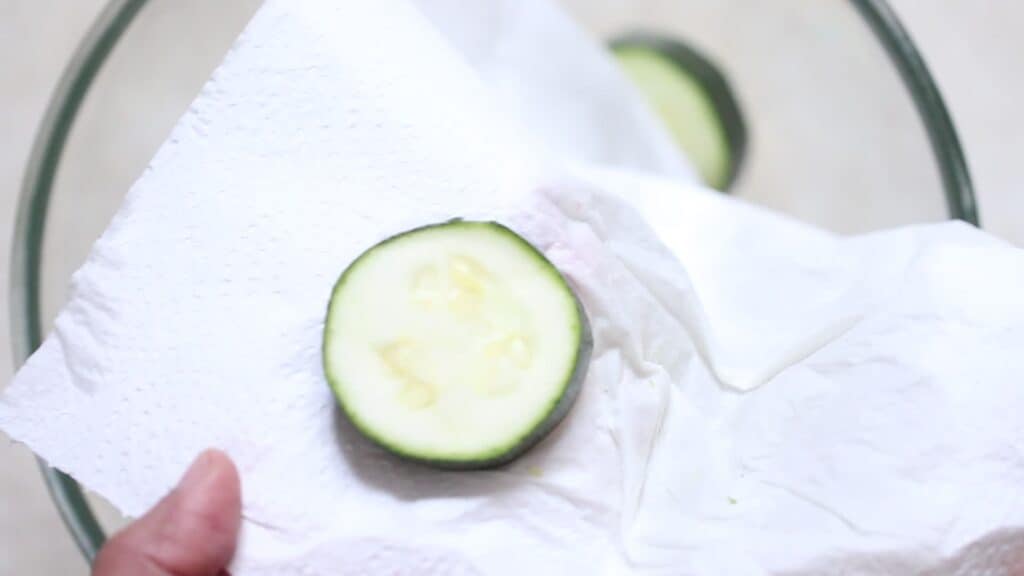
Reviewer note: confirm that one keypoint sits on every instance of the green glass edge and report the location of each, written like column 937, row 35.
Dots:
column 26, row 257
column 26, row 321
column 952, row 164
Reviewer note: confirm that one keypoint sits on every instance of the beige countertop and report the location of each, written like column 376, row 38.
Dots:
column 972, row 47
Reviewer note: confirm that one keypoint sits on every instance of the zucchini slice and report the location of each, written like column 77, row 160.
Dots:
column 693, row 99
column 456, row 344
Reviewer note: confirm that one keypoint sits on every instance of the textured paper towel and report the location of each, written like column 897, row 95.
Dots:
column 890, row 445
column 545, row 71
column 894, row 447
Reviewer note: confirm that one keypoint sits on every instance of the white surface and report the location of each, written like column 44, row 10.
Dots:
column 969, row 45
column 658, row 469
column 910, row 407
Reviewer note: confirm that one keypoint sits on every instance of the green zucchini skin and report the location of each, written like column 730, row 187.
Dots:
column 557, row 412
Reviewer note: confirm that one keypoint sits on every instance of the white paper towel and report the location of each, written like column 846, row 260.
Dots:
column 545, row 71
column 886, row 438
column 894, row 447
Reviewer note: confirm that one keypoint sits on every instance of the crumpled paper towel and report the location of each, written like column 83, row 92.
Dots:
column 874, row 430
column 892, row 446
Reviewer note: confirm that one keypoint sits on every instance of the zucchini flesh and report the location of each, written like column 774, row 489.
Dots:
column 694, row 100
column 457, row 344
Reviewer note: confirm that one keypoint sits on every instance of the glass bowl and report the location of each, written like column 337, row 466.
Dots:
column 844, row 128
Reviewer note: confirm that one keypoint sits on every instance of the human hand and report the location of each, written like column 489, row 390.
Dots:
column 191, row 532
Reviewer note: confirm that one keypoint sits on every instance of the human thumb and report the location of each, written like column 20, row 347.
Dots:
column 191, row 532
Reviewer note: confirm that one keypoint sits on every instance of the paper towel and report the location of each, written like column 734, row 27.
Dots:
column 547, row 73
column 888, row 445
column 894, row 447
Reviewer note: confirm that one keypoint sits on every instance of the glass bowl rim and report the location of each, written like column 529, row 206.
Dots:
column 117, row 16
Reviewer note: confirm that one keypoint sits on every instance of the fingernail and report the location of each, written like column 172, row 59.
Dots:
column 198, row 472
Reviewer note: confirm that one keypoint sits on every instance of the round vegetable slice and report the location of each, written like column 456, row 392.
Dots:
column 456, row 344
column 694, row 100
